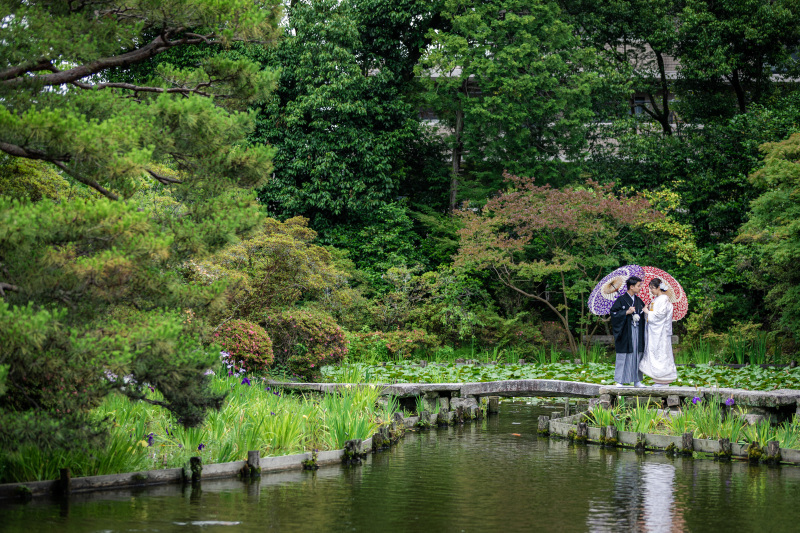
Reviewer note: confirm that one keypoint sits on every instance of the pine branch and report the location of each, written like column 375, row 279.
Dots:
column 13, row 77
column 13, row 72
column 87, row 181
column 154, row 47
column 166, row 180
column 146, row 89
column 7, row 287
column 57, row 160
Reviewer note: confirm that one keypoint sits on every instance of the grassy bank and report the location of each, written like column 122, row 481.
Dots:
column 255, row 416
column 750, row 377
column 704, row 419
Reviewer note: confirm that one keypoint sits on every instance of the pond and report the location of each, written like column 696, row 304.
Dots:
column 495, row 475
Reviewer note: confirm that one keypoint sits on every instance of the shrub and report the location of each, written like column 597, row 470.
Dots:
column 247, row 343
column 519, row 333
column 398, row 344
column 306, row 340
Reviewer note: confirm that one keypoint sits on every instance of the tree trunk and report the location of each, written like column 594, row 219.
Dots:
column 665, row 125
column 458, row 147
column 661, row 115
column 739, row 90
column 573, row 346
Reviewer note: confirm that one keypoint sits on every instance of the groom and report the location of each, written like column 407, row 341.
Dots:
column 627, row 324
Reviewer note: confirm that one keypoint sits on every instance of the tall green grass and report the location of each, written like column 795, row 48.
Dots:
column 705, row 420
column 257, row 417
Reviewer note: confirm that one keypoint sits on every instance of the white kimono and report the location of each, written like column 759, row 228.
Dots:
column 658, row 362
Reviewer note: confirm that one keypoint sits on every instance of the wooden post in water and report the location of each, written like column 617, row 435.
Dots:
column 641, row 441
column 773, row 452
column 566, row 406
column 725, row 450
column 65, row 483
column 254, row 463
column 687, row 443
column 611, row 438
column 196, row 466
column 583, row 432
column 544, row 425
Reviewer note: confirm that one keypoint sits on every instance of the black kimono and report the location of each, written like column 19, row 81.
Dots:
column 628, row 338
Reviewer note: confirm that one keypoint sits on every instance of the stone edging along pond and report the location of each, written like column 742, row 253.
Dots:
column 575, row 428
column 253, row 467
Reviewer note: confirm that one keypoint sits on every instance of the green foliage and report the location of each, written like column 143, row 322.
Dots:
column 70, row 269
column 738, row 45
column 246, row 343
column 636, row 38
column 773, row 227
column 391, row 345
column 305, row 340
column 384, row 239
column 254, row 417
column 107, row 135
column 533, row 237
column 92, row 300
column 513, row 76
column 346, row 140
column 748, row 377
column 275, row 267
column 705, row 167
column 31, row 180
column 349, row 415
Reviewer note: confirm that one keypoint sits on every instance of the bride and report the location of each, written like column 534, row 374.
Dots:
column 658, row 362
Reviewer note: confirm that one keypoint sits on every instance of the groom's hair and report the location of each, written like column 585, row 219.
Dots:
column 633, row 280
column 655, row 283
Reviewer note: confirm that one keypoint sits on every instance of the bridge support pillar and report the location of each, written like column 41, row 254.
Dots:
column 606, row 401
column 494, row 404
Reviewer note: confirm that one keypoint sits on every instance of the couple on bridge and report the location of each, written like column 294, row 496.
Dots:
column 642, row 335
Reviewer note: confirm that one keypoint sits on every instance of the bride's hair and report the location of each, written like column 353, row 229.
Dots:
column 656, row 283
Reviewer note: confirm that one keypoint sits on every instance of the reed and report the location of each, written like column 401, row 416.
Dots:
column 254, row 417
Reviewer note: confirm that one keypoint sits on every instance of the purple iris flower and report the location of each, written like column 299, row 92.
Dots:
column 200, row 448
column 273, row 414
column 729, row 402
column 696, row 400
column 150, row 439
column 245, row 381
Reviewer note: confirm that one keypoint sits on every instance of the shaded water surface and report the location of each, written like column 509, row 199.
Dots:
column 481, row 477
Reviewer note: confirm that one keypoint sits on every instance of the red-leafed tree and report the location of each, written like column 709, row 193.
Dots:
column 553, row 245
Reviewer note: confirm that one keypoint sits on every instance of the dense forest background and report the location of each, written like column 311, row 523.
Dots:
column 395, row 176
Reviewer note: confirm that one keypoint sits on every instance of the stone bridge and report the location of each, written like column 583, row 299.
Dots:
column 509, row 388
column 783, row 402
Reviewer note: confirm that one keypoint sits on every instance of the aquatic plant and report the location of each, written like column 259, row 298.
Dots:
column 601, row 417
column 254, row 417
column 748, row 377
column 642, row 419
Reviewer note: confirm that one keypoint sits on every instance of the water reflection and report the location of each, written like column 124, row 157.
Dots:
column 496, row 476
column 642, row 499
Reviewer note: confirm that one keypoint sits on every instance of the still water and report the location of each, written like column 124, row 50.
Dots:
column 492, row 476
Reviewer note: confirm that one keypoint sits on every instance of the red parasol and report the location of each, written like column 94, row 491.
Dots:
column 675, row 292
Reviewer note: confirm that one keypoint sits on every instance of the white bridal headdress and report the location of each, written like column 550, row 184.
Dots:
column 664, row 287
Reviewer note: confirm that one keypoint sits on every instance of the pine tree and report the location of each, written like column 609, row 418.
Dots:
column 92, row 295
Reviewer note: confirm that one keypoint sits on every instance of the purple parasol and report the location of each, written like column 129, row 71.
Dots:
column 612, row 287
